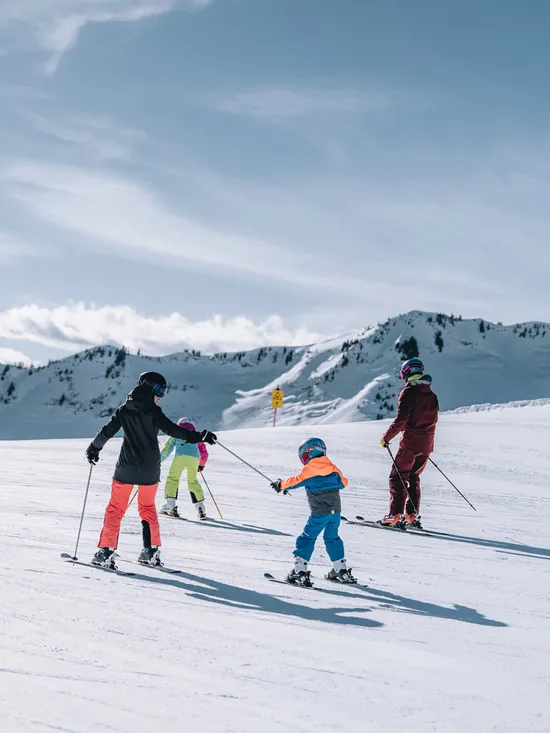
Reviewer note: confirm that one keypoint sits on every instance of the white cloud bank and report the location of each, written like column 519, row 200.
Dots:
column 12, row 356
column 77, row 326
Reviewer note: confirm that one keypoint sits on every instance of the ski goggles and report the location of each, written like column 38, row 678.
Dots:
column 159, row 390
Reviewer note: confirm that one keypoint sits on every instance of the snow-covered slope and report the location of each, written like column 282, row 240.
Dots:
column 450, row 634
column 348, row 379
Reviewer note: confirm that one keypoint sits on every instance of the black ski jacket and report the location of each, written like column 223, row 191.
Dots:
column 141, row 419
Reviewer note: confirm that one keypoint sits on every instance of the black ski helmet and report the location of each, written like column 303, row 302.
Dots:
column 154, row 380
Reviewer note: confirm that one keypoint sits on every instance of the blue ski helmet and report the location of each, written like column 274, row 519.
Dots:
column 154, row 380
column 410, row 367
column 311, row 448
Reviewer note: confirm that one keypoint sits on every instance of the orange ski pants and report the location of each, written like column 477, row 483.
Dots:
column 117, row 506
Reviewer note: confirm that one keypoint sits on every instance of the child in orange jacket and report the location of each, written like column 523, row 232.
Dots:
column 323, row 482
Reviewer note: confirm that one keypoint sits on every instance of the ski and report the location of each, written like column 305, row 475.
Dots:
column 430, row 532
column 401, row 528
column 186, row 519
column 69, row 558
column 408, row 530
column 332, row 583
column 421, row 530
column 162, row 568
column 344, row 585
column 376, row 525
column 273, row 579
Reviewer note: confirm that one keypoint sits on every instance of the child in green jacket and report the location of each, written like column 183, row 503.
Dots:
column 190, row 458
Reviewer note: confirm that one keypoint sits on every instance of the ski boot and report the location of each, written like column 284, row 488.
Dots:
column 413, row 521
column 303, row 577
column 340, row 573
column 150, row 556
column 300, row 575
column 170, row 509
column 201, row 511
column 104, row 558
column 393, row 520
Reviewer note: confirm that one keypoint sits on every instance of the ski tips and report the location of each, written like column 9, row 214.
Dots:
column 66, row 556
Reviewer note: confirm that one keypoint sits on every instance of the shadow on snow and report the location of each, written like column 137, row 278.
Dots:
column 541, row 553
column 234, row 596
column 224, row 524
column 214, row 591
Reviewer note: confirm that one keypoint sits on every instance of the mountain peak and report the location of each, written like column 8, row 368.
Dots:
column 348, row 378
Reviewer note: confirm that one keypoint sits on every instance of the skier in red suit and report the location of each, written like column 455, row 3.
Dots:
column 416, row 419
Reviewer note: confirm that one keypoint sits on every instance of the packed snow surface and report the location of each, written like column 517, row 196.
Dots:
column 449, row 634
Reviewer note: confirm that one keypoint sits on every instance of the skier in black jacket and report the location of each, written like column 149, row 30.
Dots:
column 138, row 463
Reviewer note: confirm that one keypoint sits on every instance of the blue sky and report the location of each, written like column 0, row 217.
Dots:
column 227, row 173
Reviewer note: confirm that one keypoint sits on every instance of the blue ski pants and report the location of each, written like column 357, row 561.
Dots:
column 305, row 543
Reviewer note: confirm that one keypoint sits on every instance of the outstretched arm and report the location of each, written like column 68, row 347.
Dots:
column 176, row 431
column 295, row 482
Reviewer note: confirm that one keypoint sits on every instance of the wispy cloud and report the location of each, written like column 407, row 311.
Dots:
column 77, row 325
column 56, row 24
column 119, row 215
column 281, row 103
column 14, row 248
column 98, row 135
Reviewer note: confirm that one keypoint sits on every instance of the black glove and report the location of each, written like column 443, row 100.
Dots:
column 207, row 437
column 92, row 454
column 200, row 469
column 276, row 485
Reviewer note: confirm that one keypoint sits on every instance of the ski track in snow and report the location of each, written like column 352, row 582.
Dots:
column 451, row 635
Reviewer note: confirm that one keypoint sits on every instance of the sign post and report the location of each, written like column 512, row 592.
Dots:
column 277, row 398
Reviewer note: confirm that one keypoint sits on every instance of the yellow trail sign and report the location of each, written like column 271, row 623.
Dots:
column 277, row 397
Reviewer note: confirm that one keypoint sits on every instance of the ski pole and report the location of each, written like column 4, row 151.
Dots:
column 75, row 557
column 211, row 494
column 245, row 462
column 401, row 479
column 454, row 487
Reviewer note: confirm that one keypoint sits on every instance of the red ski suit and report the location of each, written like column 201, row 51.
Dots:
column 417, row 413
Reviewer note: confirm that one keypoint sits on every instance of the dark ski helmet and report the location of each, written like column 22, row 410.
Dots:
column 312, row 448
column 154, row 380
column 410, row 367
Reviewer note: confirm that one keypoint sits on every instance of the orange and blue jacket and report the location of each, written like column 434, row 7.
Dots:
column 323, row 482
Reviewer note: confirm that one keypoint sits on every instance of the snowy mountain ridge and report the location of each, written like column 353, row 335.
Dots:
column 346, row 379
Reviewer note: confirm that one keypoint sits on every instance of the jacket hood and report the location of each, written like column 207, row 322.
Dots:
column 141, row 399
column 423, row 383
column 418, row 379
